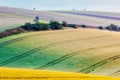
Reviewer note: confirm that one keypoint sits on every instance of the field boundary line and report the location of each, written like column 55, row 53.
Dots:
column 98, row 64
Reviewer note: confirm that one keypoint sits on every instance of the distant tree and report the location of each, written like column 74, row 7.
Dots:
column 36, row 27
column 108, row 28
column 73, row 9
column 64, row 23
column 118, row 28
column 27, row 26
column 44, row 26
column 72, row 25
column 84, row 9
column 112, row 27
column 55, row 25
column 100, row 27
column 34, row 8
column 83, row 26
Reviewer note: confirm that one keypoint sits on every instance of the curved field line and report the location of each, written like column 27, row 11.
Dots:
column 58, row 60
column 12, row 41
column 23, row 37
column 115, row 73
column 75, row 53
column 22, row 55
column 16, row 39
column 98, row 64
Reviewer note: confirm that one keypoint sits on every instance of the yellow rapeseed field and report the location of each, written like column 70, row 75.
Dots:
column 23, row 74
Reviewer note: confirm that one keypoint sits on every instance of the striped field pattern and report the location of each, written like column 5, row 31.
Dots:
column 14, row 17
column 80, row 50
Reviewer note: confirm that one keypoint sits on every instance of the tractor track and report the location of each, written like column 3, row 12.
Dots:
column 17, row 39
column 24, row 37
column 115, row 73
column 98, row 64
column 58, row 60
column 12, row 41
column 53, row 62
column 22, row 55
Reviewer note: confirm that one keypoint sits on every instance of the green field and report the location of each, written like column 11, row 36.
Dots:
column 88, row 51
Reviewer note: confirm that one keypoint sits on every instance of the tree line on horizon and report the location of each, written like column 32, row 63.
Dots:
column 52, row 25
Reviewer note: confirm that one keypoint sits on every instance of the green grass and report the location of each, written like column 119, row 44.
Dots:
column 71, row 50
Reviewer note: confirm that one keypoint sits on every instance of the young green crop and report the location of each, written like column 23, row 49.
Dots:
column 72, row 50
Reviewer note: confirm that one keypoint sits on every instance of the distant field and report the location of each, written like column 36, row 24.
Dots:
column 100, row 18
column 15, row 74
column 7, row 19
column 87, row 51
column 10, row 16
column 112, row 16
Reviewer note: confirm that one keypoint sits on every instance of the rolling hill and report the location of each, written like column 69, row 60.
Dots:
column 89, row 51
column 80, row 50
column 13, row 17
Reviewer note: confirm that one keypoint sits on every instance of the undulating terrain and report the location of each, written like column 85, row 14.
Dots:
column 13, row 17
column 88, row 51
